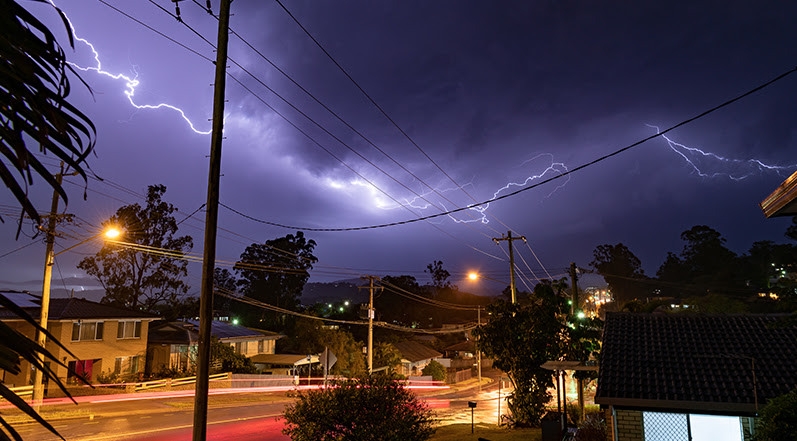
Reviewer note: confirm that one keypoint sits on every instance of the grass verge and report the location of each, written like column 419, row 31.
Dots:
column 491, row 432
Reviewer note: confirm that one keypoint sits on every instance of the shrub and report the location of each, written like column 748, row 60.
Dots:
column 778, row 419
column 593, row 428
column 436, row 370
column 372, row 408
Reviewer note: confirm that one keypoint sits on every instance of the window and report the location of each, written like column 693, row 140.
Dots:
column 127, row 365
column 82, row 331
column 678, row 426
column 240, row 347
column 129, row 329
column 261, row 346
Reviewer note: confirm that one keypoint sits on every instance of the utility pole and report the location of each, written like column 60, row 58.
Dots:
column 371, row 322
column 211, row 222
column 41, row 338
column 574, row 287
column 478, row 350
column 509, row 239
column 574, row 311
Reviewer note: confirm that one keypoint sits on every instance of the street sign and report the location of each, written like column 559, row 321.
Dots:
column 328, row 359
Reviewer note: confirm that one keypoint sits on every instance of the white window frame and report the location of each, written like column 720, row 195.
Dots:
column 99, row 330
column 135, row 329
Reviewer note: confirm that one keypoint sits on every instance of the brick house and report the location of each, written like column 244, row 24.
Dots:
column 693, row 377
column 103, row 338
column 174, row 344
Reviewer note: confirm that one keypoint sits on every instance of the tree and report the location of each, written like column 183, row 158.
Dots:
column 621, row 269
column 385, row 354
column 704, row 265
column 375, row 408
column 436, row 370
column 520, row 338
column 392, row 306
column 34, row 105
column 151, row 271
column 778, row 420
column 275, row 273
column 224, row 359
column 308, row 336
column 439, row 275
column 224, row 282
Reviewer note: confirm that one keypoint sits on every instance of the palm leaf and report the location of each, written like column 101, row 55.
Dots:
column 34, row 106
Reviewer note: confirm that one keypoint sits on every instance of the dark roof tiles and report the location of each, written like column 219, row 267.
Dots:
column 699, row 358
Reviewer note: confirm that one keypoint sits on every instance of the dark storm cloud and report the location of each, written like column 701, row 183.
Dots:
column 483, row 87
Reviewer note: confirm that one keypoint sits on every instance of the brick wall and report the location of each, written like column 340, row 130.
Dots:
column 629, row 425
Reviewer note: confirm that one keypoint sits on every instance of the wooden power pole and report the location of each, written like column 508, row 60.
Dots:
column 371, row 314
column 211, row 222
column 509, row 239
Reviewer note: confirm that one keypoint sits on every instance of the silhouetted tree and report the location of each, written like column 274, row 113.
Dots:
column 142, row 276
column 275, row 273
column 622, row 270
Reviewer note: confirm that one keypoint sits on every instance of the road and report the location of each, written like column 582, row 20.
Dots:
column 233, row 417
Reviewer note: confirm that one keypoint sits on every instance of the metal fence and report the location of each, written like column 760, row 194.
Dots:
column 666, row 426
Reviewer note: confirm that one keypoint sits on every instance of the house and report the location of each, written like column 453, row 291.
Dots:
column 414, row 357
column 284, row 364
column 693, row 377
column 173, row 345
column 103, row 339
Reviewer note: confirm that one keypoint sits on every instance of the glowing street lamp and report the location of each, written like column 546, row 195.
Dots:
column 41, row 338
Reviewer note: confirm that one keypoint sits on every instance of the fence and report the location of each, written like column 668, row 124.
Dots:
column 174, row 382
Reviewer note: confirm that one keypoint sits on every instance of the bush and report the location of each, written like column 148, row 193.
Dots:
column 593, row 428
column 778, row 419
column 436, row 370
column 374, row 408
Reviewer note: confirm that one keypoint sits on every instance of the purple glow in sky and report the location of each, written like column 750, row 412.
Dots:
column 498, row 94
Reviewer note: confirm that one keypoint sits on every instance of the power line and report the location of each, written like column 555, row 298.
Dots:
column 569, row 172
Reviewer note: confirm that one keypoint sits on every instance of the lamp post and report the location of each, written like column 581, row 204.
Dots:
column 475, row 276
column 41, row 338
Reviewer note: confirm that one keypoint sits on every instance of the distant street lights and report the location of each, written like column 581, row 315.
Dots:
column 41, row 338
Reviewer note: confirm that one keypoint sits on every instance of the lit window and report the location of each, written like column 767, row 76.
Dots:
column 83, row 331
column 129, row 329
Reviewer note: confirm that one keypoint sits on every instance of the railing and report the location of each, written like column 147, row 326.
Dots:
column 171, row 382
column 22, row 391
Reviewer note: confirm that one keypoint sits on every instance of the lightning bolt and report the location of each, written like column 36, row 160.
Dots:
column 130, row 83
column 700, row 160
column 481, row 210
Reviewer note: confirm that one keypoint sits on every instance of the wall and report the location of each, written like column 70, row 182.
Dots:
column 629, row 425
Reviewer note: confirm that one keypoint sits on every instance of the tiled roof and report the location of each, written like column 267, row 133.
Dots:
column 76, row 309
column 187, row 332
column 414, row 351
column 696, row 362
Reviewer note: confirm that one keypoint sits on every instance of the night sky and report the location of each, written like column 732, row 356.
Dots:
column 494, row 92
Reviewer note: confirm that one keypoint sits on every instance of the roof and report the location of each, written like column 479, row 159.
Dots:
column 187, row 332
column 782, row 201
column 463, row 346
column 72, row 309
column 414, row 351
column 696, row 362
column 283, row 359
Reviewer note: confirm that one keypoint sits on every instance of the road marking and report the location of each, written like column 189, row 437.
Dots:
column 166, row 429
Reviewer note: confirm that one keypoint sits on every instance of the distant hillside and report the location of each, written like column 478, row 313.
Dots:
column 316, row 292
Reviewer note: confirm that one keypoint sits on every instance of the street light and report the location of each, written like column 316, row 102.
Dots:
column 41, row 338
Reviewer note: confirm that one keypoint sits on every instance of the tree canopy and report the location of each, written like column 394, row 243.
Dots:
column 150, row 272
column 622, row 271
column 521, row 337
column 275, row 273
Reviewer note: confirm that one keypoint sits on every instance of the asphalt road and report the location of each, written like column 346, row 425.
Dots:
column 238, row 417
